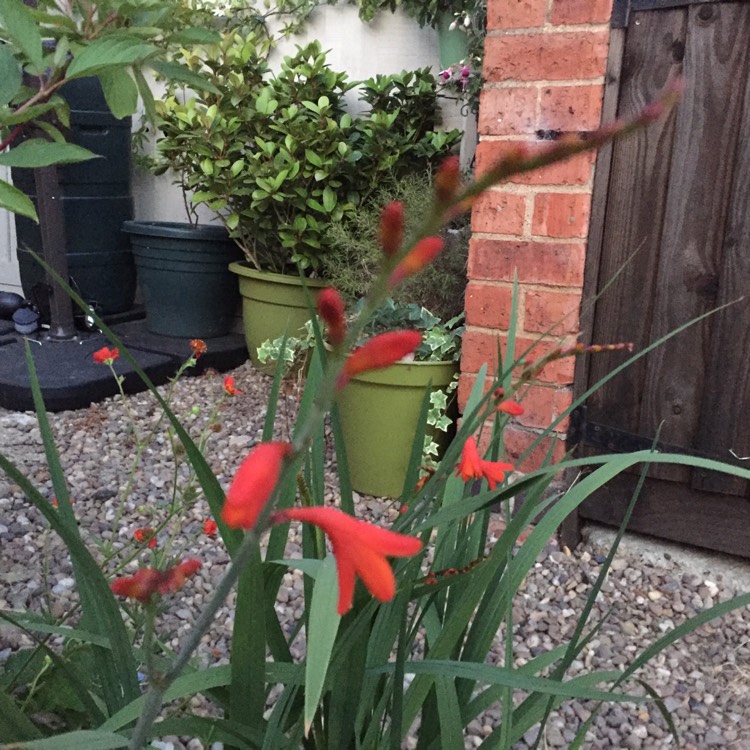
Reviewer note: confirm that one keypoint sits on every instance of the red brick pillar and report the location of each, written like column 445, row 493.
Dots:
column 544, row 68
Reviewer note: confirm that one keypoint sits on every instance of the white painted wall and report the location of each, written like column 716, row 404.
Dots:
column 10, row 280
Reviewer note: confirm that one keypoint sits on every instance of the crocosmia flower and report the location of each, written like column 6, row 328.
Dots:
column 360, row 550
column 380, row 351
column 106, row 356
column 448, row 179
column 512, row 408
column 148, row 582
column 473, row 466
column 392, row 228
column 253, row 484
column 424, row 252
column 198, row 346
column 145, row 535
column 331, row 310
column 229, row 387
column 209, row 527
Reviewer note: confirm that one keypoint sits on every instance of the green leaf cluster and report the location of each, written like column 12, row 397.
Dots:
column 280, row 157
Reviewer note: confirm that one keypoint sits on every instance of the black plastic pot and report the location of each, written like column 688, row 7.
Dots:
column 183, row 274
column 96, row 201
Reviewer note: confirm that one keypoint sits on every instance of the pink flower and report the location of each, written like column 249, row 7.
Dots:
column 253, row 484
column 360, row 550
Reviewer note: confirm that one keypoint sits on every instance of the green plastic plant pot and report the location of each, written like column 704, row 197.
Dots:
column 272, row 304
column 379, row 417
column 182, row 272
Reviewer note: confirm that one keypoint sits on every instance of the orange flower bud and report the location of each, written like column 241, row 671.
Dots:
column 331, row 310
column 379, row 352
column 229, row 387
column 392, row 228
column 448, row 179
column 424, row 252
column 253, row 484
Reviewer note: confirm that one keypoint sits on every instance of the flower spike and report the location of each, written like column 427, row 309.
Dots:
column 331, row 310
column 473, row 466
column 360, row 549
column 379, row 352
column 392, row 228
column 423, row 253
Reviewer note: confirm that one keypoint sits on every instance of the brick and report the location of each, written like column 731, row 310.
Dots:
column 516, row 14
column 497, row 212
column 577, row 170
column 518, row 440
column 508, row 111
column 488, row 305
column 571, row 108
column 542, row 405
column 581, row 11
column 561, row 214
column 558, row 371
column 551, row 312
column 479, row 348
column 553, row 263
column 465, row 383
column 556, row 56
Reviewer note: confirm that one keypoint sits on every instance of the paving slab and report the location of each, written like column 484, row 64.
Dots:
column 70, row 379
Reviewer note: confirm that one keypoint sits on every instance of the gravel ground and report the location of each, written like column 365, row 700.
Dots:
column 652, row 587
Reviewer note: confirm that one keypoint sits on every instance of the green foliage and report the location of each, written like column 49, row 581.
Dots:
column 353, row 265
column 113, row 41
column 280, row 157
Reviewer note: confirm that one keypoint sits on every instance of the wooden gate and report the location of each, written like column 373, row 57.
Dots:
column 671, row 221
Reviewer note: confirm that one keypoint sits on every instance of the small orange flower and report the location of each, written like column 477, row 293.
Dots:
column 106, row 356
column 380, row 351
column 473, row 466
column 198, row 346
column 147, row 582
column 331, row 310
column 360, row 550
column 145, row 535
column 392, row 228
column 253, row 484
column 424, row 252
column 448, row 179
column 511, row 408
column 229, row 387
column 209, row 527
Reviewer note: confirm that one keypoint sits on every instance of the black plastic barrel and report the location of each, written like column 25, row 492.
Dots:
column 96, row 201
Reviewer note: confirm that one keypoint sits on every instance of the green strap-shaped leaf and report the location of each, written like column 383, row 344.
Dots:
column 19, row 25
column 91, row 740
column 323, row 626
column 37, row 153
column 13, row 200
column 15, row 725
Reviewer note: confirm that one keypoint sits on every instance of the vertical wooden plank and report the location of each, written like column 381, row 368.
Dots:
column 689, row 261
column 635, row 205
column 724, row 425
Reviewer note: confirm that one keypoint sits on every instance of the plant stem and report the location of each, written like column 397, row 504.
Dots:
column 158, row 686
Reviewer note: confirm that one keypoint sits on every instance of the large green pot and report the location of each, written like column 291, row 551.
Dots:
column 272, row 304
column 379, row 417
column 187, row 289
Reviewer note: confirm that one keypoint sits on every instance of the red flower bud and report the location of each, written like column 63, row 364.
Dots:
column 229, row 387
column 424, row 252
column 448, row 179
column 392, row 228
column 379, row 352
column 331, row 310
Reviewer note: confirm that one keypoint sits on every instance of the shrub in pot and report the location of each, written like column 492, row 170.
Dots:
column 283, row 162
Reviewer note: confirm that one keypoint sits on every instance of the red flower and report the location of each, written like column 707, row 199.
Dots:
column 510, row 407
column 360, row 550
column 253, row 484
column 145, row 535
column 331, row 310
column 198, row 346
column 424, row 252
column 229, row 388
column 147, row 582
column 106, row 356
column 448, row 179
column 472, row 466
column 209, row 527
column 379, row 352
column 392, row 228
